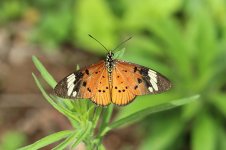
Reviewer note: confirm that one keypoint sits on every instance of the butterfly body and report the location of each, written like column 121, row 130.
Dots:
column 112, row 81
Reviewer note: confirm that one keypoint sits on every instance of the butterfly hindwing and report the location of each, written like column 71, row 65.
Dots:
column 135, row 80
column 85, row 83
column 121, row 92
column 101, row 93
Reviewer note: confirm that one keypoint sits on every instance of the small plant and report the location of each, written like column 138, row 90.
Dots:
column 84, row 117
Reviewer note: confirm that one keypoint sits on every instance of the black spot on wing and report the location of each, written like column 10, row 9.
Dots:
column 89, row 89
column 144, row 71
column 87, row 71
column 77, row 86
column 147, row 82
column 139, row 80
column 84, row 84
column 135, row 69
column 78, row 75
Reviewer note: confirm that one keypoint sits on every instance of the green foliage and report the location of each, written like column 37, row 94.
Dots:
column 12, row 140
column 85, row 115
column 11, row 10
column 88, row 15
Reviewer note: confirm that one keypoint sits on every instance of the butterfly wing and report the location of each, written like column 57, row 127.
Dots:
column 130, row 80
column 90, row 82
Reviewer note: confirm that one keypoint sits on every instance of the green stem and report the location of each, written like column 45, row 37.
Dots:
column 106, row 119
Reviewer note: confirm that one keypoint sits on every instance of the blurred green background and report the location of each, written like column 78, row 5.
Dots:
column 183, row 39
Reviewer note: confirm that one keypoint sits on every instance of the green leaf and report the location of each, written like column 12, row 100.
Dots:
column 88, row 22
column 105, row 122
column 101, row 147
column 218, row 100
column 119, row 54
column 47, row 140
column 45, row 74
column 143, row 102
column 221, row 137
column 68, row 141
column 163, row 137
column 204, row 133
column 97, row 114
column 83, row 134
column 49, row 79
column 64, row 111
column 154, row 109
column 12, row 140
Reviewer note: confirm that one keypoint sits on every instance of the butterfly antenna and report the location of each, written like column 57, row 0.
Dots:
column 122, row 43
column 98, row 42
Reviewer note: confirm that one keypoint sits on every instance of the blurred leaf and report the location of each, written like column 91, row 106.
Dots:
column 218, row 9
column 11, row 10
column 168, row 31
column 143, row 102
column 146, row 45
column 206, row 42
column 191, row 110
column 219, row 100
column 90, row 18
column 12, row 140
column 47, row 140
column 54, row 27
column 162, row 136
column 148, row 10
column 119, row 54
column 71, row 138
column 154, row 109
column 204, row 133
column 221, row 138
column 45, row 74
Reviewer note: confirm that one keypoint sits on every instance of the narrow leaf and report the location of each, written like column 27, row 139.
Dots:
column 68, row 141
column 119, row 54
column 64, row 111
column 45, row 74
column 83, row 135
column 105, row 121
column 204, row 132
column 154, row 109
column 47, row 140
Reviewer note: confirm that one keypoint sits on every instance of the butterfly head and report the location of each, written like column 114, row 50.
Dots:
column 109, row 56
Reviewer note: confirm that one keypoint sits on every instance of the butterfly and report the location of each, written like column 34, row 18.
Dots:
column 111, row 81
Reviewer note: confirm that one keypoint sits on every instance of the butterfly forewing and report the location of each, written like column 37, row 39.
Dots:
column 85, row 83
column 131, row 79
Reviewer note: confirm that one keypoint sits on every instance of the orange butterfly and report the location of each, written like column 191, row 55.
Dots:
column 112, row 81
